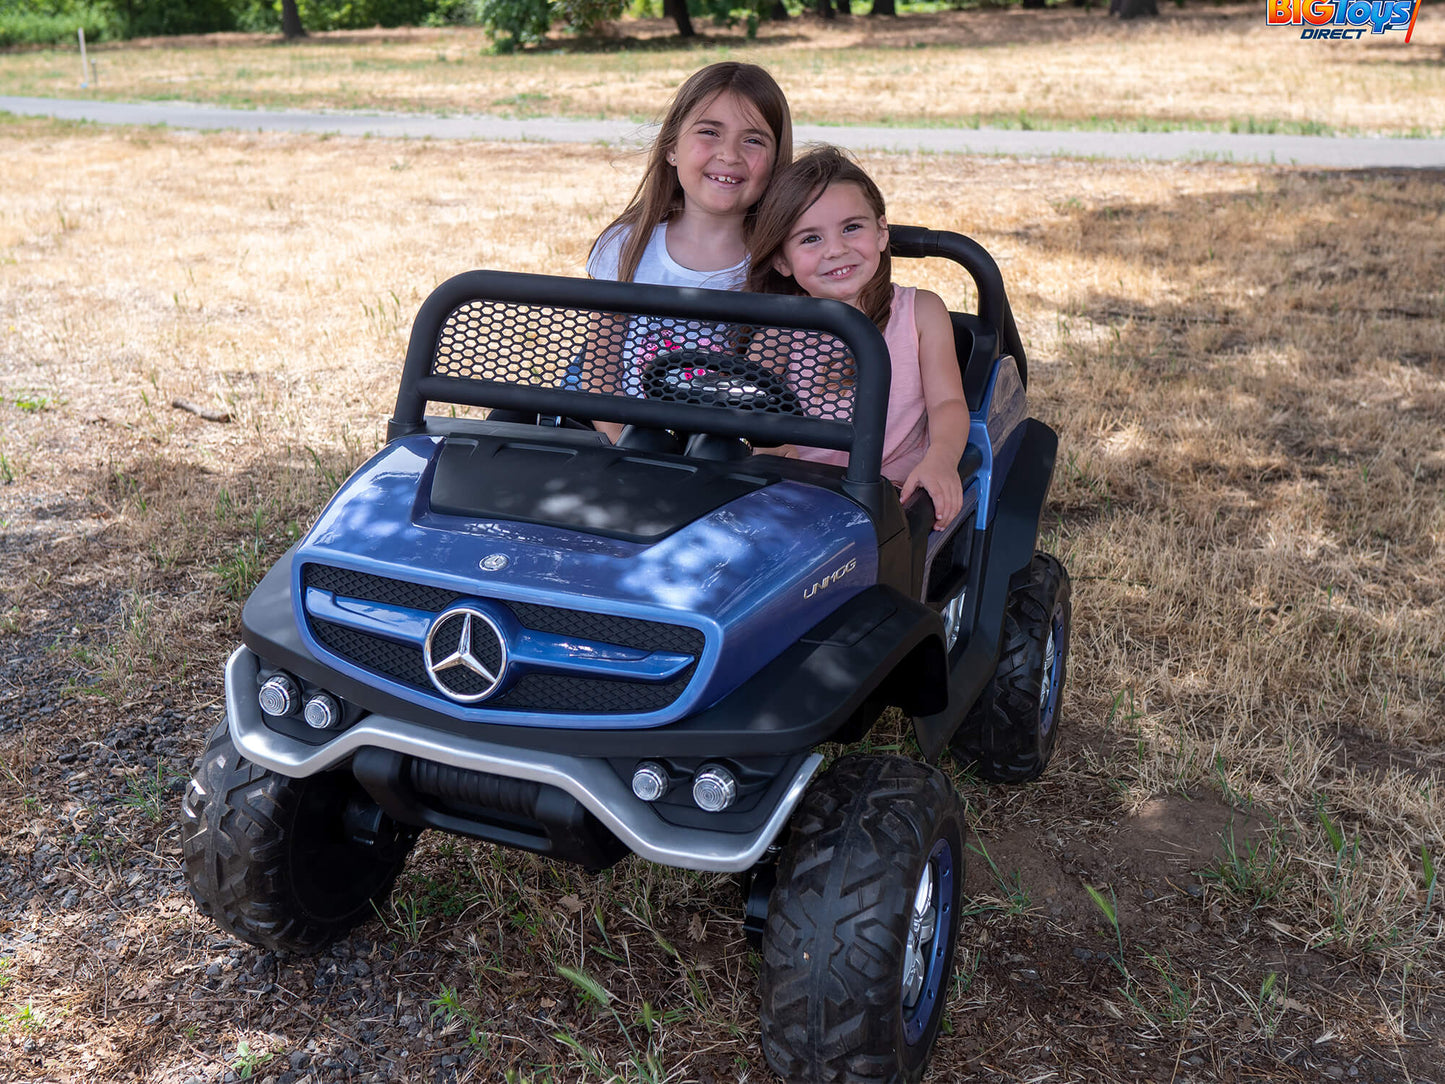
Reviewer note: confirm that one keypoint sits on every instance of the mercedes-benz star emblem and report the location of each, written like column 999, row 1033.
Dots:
column 465, row 654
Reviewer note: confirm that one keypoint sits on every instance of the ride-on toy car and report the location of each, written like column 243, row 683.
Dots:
column 521, row 632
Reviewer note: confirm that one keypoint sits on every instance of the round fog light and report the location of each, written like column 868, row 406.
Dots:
column 713, row 788
column 649, row 782
column 278, row 695
column 322, row 712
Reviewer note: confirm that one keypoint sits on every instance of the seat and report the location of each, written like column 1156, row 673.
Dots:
column 976, row 342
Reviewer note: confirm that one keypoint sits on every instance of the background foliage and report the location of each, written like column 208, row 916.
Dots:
column 513, row 22
column 34, row 22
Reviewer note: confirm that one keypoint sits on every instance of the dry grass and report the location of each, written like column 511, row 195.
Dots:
column 1247, row 370
column 1204, row 65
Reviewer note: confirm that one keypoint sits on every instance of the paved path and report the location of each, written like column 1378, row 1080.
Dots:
column 1326, row 151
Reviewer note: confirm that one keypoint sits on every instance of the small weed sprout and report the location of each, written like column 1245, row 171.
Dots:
column 241, row 571
column 1015, row 896
column 245, row 1061
column 147, row 793
column 24, row 1019
column 646, row 1065
column 405, row 917
column 1250, row 870
column 448, row 1008
column 1176, row 1004
column 1431, row 881
column 34, row 404
column 1268, row 1006
column 1349, row 906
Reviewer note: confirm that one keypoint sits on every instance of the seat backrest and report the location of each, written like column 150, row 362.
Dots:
column 977, row 344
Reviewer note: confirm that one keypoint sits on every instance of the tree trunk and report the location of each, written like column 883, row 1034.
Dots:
column 1132, row 9
column 779, row 12
column 291, row 27
column 825, row 9
column 680, row 15
column 845, row 7
column 1033, row 3
column 884, row 7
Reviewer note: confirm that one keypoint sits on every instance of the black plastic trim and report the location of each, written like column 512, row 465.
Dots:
column 999, row 553
column 510, row 812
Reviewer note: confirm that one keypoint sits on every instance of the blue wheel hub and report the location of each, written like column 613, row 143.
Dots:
column 930, row 932
column 1053, row 669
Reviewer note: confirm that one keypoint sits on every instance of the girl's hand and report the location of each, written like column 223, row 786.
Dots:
column 786, row 451
column 940, row 479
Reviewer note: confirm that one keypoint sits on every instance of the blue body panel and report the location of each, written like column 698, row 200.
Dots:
column 753, row 575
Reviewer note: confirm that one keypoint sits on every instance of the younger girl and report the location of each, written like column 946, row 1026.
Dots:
column 727, row 129
column 821, row 231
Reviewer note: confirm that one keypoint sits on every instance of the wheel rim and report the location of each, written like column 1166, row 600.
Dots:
column 1052, row 670
column 952, row 620
column 930, row 932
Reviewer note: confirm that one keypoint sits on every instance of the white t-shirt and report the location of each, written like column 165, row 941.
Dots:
column 657, row 265
column 647, row 337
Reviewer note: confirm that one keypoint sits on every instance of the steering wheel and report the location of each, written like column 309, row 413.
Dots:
column 714, row 378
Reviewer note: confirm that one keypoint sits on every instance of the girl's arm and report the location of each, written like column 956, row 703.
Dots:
column 606, row 332
column 947, row 411
column 600, row 365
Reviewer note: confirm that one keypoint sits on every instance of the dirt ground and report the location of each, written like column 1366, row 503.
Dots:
column 1247, row 370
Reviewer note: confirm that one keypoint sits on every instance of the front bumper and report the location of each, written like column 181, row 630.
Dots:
column 591, row 782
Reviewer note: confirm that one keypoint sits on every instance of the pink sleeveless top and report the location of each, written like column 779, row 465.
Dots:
column 905, row 438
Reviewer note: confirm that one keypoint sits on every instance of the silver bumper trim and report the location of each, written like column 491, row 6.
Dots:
column 591, row 781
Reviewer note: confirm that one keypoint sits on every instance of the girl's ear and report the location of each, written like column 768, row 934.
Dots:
column 882, row 234
column 782, row 266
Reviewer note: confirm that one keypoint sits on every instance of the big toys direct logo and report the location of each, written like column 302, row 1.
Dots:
column 1344, row 20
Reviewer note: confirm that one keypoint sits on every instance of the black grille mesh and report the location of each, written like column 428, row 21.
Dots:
column 610, row 629
column 393, row 660
column 560, row 693
column 773, row 370
column 582, row 695
column 351, row 584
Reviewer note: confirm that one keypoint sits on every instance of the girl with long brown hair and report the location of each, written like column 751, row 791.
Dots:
column 726, row 130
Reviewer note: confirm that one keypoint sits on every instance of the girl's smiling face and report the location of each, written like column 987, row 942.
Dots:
column 724, row 156
column 834, row 248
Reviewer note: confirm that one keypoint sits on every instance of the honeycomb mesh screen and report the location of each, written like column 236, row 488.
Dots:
column 772, row 370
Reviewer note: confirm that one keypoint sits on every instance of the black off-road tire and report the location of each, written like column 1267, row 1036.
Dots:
column 833, row 1004
column 271, row 858
column 1009, row 734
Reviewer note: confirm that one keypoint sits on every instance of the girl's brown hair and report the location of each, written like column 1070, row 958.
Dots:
column 792, row 192
column 659, row 195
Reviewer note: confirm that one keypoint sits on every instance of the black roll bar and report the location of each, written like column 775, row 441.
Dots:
column 916, row 242
column 863, row 439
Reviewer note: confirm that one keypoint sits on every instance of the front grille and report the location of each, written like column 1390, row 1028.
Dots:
column 349, row 584
column 399, row 662
column 589, row 695
column 610, row 629
column 566, row 694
